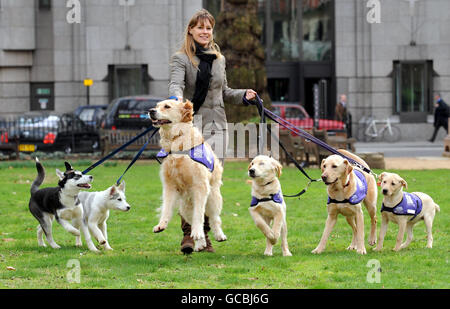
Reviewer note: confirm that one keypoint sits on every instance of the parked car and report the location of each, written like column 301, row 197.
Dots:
column 66, row 133
column 129, row 112
column 297, row 115
column 91, row 114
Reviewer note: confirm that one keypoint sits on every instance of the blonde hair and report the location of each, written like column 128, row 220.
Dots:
column 188, row 46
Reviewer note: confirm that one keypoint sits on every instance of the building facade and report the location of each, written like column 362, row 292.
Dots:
column 122, row 45
column 389, row 67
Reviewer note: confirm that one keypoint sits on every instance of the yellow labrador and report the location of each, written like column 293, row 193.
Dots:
column 347, row 188
column 267, row 202
column 404, row 209
column 190, row 172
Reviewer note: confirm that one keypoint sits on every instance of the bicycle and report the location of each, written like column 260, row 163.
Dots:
column 369, row 132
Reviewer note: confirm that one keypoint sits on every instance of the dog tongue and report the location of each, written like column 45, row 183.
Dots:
column 85, row 185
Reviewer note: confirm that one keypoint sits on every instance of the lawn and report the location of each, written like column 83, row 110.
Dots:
column 142, row 259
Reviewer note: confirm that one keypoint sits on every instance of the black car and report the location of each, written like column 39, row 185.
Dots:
column 91, row 114
column 129, row 113
column 66, row 133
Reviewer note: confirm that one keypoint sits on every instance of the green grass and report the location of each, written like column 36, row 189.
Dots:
column 142, row 259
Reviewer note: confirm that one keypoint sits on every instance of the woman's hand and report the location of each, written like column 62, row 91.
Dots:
column 250, row 94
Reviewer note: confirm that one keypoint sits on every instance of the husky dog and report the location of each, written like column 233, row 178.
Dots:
column 59, row 202
column 96, row 206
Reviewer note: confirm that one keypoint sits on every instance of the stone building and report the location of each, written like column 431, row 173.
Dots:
column 124, row 49
column 387, row 69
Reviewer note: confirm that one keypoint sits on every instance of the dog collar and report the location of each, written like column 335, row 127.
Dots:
column 410, row 205
column 360, row 193
column 277, row 198
column 199, row 153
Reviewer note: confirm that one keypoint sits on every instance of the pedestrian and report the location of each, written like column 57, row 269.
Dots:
column 341, row 113
column 441, row 114
column 197, row 73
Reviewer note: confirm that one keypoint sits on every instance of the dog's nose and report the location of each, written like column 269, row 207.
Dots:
column 251, row 172
column 324, row 178
column 152, row 113
column 128, row 208
column 385, row 191
column 91, row 177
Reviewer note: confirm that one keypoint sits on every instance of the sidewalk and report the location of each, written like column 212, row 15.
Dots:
column 409, row 155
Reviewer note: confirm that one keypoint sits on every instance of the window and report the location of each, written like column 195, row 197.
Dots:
column 284, row 30
column 412, row 84
column 45, row 4
column 42, row 98
column 317, row 30
column 127, row 80
column 278, row 89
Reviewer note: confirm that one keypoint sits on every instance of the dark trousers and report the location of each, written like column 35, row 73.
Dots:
column 436, row 129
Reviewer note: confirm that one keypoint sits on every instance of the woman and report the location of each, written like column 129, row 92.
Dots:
column 197, row 73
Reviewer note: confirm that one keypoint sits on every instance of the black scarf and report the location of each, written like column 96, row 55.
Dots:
column 203, row 76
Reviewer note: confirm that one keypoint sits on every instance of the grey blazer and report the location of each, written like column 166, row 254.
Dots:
column 182, row 83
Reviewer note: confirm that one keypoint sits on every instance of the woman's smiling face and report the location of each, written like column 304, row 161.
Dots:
column 202, row 33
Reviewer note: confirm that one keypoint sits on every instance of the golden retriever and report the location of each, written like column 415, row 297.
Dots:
column 403, row 210
column 267, row 202
column 187, row 183
column 345, row 197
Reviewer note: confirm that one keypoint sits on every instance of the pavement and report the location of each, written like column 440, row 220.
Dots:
column 409, row 155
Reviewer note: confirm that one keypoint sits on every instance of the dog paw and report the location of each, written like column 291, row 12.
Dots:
column 351, row 247
column 197, row 234
column 361, row 251
column 55, row 246
column 102, row 242
column 42, row 245
column 78, row 244
column 221, row 237
column 287, row 253
column 200, row 245
column 107, row 248
column 317, row 251
column 159, row 228
column 396, row 249
column 268, row 253
column 372, row 242
column 377, row 249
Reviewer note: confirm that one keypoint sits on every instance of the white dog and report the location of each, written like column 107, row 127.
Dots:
column 191, row 173
column 267, row 202
column 96, row 206
column 404, row 209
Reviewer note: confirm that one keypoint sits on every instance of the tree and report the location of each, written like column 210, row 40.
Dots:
column 238, row 34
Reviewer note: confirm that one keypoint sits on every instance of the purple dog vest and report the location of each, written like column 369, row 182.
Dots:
column 360, row 193
column 199, row 154
column 411, row 205
column 277, row 198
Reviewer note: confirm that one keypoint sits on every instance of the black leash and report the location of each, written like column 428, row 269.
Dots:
column 131, row 141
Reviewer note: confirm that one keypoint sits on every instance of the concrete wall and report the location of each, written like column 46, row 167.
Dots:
column 41, row 46
column 365, row 54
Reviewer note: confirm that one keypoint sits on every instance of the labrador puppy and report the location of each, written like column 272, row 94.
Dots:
column 267, row 204
column 404, row 209
column 348, row 187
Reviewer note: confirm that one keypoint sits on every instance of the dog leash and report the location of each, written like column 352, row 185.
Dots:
column 107, row 157
column 299, row 166
column 297, row 131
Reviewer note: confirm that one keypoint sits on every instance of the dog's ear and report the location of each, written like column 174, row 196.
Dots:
column 349, row 167
column 187, row 112
column 321, row 164
column 59, row 174
column 68, row 166
column 113, row 190
column 278, row 167
column 380, row 177
column 122, row 186
column 249, row 165
column 404, row 183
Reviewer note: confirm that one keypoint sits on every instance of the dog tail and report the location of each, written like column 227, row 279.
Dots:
column 438, row 209
column 40, row 177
